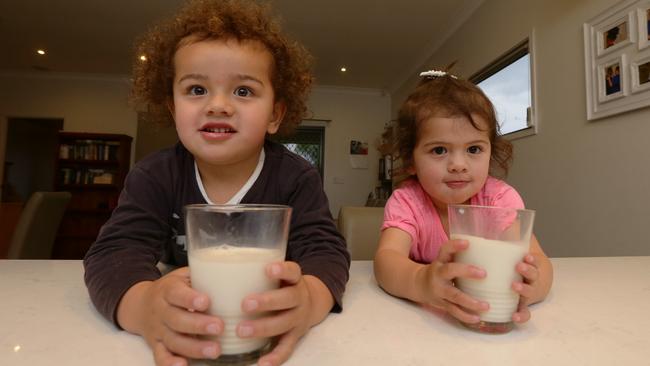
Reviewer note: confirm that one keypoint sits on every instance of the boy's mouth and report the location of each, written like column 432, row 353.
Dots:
column 217, row 131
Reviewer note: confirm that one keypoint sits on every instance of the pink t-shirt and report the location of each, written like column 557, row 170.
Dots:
column 409, row 208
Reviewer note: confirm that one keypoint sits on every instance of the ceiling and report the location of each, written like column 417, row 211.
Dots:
column 381, row 43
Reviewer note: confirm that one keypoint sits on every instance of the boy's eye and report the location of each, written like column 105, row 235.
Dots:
column 474, row 149
column 438, row 150
column 243, row 92
column 196, row 90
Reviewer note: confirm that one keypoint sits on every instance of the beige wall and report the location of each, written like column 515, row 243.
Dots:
column 99, row 104
column 588, row 180
column 358, row 114
column 86, row 103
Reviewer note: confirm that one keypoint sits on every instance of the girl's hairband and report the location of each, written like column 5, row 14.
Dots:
column 432, row 74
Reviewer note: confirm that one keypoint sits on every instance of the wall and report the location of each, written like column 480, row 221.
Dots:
column 99, row 104
column 358, row 114
column 588, row 180
column 86, row 103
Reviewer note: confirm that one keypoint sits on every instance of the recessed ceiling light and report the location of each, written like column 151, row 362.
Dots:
column 343, row 69
column 143, row 58
column 40, row 52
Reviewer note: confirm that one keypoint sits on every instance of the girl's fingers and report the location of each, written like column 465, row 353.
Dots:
column 528, row 271
column 451, row 271
column 460, row 314
column 188, row 346
column 526, row 291
column 450, row 248
column 163, row 357
column 183, row 321
column 456, row 297
column 522, row 315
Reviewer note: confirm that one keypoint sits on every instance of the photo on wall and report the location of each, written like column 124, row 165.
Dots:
column 617, row 59
column 615, row 35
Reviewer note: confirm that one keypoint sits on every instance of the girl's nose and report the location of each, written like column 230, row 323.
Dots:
column 220, row 104
column 457, row 164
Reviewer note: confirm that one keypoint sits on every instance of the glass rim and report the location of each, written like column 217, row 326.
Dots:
column 491, row 207
column 237, row 207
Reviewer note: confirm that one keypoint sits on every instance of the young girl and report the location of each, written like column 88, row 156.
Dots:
column 448, row 140
column 227, row 76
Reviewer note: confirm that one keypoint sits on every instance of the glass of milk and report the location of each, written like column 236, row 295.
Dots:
column 498, row 239
column 229, row 247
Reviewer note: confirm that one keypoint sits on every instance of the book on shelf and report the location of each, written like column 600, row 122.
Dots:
column 85, row 176
column 89, row 150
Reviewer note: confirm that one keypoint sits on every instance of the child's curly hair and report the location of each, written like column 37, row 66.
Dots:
column 448, row 96
column 221, row 19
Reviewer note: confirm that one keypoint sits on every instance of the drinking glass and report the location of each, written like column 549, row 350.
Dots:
column 229, row 247
column 498, row 238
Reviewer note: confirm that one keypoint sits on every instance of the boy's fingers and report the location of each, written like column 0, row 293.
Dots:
column 179, row 293
column 529, row 272
column 188, row 346
column 286, row 271
column 281, row 352
column 279, row 299
column 269, row 326
column 183, row 321
column 163, row 357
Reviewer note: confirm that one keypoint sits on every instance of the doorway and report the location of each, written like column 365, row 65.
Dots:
column 29, row 157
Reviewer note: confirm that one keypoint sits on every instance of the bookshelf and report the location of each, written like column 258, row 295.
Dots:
column 92, row 166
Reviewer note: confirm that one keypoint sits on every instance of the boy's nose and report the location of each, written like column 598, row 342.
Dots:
column 221, row 104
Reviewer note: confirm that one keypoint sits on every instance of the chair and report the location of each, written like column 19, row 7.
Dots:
column 39, row 221
column 361, row 227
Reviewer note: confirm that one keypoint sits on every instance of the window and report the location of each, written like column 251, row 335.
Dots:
column 507, row 82
column 308, row 142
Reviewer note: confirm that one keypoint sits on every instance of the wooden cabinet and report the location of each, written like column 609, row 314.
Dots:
column 92, row 166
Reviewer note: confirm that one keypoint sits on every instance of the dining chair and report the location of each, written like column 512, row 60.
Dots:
column 39, row 222
column 361, row 227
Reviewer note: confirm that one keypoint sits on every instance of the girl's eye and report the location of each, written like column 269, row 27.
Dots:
column 196, row 90
column 474, row 149
column 243, row 92
column 438, row 150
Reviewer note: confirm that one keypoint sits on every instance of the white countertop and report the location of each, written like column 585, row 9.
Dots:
column 596, row 314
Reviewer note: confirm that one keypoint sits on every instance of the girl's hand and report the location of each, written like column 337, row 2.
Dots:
column 169, row 314
column 438, row 287
column 295, row 307
column 527, row 289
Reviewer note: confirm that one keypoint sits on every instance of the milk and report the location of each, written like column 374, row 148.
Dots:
column 227, row 274
column 499, row 259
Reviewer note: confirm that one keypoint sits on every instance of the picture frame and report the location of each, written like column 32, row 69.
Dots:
column 640, row 74
column 617, row 59
column 643, row 21
column 611, row 79
column 616, row 33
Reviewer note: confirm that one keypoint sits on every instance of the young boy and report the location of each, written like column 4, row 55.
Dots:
column 228, row 78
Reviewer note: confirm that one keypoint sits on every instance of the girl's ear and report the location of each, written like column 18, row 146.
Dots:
column 279, row 110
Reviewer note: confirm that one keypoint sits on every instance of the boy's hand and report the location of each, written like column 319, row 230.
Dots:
column 302, row 301
column 168, row 315
column 438, row 287
column 526, row 289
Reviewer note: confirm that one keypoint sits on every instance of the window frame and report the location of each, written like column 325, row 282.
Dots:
column 506, row 59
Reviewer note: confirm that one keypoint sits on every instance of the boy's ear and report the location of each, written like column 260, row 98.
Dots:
column 279, row 110
column 170, row 106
